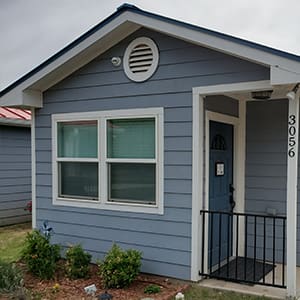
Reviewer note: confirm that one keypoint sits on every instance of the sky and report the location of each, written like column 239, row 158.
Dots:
column 33, row 30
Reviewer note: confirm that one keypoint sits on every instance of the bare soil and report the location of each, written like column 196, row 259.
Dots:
column 64, row 288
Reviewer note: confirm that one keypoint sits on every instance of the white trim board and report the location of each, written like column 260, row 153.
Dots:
column 28, row 93
column 238, row 162
column 197, row 182
column 15, row 122
column 226, row 119
column 198, row 197
column 33, row 169
column 102, row 202
column 217, row 43
column 282, row 70
column 291, row 196
column 233, row 88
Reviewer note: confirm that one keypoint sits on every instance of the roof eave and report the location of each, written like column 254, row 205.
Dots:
column 27, row 91
column 15, row 122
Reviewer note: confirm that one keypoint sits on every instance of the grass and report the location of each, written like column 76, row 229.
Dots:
column 11, row 241
column 196, row 292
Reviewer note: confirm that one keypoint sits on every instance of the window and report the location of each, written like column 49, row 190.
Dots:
column 131, row 159
column 77, row 160
column 109, row 159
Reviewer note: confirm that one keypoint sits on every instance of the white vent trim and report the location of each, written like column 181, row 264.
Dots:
column 140, row 59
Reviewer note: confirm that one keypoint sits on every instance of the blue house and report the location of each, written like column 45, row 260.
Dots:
column 172, row 139
column 15, row 165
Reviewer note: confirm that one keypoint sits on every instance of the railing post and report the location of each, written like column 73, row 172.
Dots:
column 274, row 250
column 211, row 242
column 203, row 242
column 237, row 246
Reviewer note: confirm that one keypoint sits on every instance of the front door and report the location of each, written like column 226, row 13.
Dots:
column 220, row 191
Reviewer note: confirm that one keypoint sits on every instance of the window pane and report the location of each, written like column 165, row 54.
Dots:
column 131, row 138
column 132, row 182
column 77, row 139
column 78, row 180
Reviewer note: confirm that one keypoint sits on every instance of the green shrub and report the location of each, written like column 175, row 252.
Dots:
column 39, row 255
column 77, row 264
column 119, row 267
column 10, row 277
column 152, row 289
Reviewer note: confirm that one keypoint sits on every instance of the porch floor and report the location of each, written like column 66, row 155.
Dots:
column 258, row 290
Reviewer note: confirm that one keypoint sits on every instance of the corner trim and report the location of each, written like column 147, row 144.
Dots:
column 197, row 182
column 33, row 169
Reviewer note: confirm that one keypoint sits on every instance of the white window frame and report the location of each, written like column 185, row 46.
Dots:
column 102, row 117
column 76, row 159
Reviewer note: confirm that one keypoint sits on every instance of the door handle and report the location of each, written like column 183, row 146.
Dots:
column 232, row 203
column 231, row 199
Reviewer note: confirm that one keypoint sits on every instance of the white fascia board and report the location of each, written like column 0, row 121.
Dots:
column 283, row 76
column 121, row 27
column 19, row 98
column 32, row 98
column 233, row 88
column 29, row 92
column 12, row 98
column 219, row 44
column 84, row 52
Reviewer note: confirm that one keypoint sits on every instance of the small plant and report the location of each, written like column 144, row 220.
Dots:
column 152, row 289
column 120, row 267
column 77, row 264
column 39, row 255
column 10, row 277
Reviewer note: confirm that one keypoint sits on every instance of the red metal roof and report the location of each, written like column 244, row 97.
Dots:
column 15, row 113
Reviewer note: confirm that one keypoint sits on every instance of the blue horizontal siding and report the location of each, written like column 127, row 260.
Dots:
column 266, row 166
column 15, row 174
column 155, row 230
column 164, row 239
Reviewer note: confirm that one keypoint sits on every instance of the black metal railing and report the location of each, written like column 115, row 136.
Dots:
column 244, row 247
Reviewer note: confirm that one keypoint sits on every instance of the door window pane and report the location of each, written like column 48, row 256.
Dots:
column 78, row 180
column 132, row 182
column 77, row 139
column 131, row 138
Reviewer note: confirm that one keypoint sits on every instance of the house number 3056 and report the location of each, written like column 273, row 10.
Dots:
column 292, row 135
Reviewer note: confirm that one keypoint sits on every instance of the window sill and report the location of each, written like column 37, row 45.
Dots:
column 115, row 206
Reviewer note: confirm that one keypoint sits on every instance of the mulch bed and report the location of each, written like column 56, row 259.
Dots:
column 74, row 289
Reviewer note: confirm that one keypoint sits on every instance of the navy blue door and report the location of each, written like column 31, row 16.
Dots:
column 220, row 191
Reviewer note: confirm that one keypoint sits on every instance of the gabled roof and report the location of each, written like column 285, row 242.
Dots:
column 284, row 67
column 14, row 116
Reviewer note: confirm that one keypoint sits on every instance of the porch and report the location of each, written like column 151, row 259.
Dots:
column 258, row 259
column 251, row 289
column 252, row 240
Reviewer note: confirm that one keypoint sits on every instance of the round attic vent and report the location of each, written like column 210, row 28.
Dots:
column 140, row 59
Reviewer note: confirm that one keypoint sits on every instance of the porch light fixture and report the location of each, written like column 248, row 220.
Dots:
column 116, row 61
column 292, row 94
column 262, row 95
